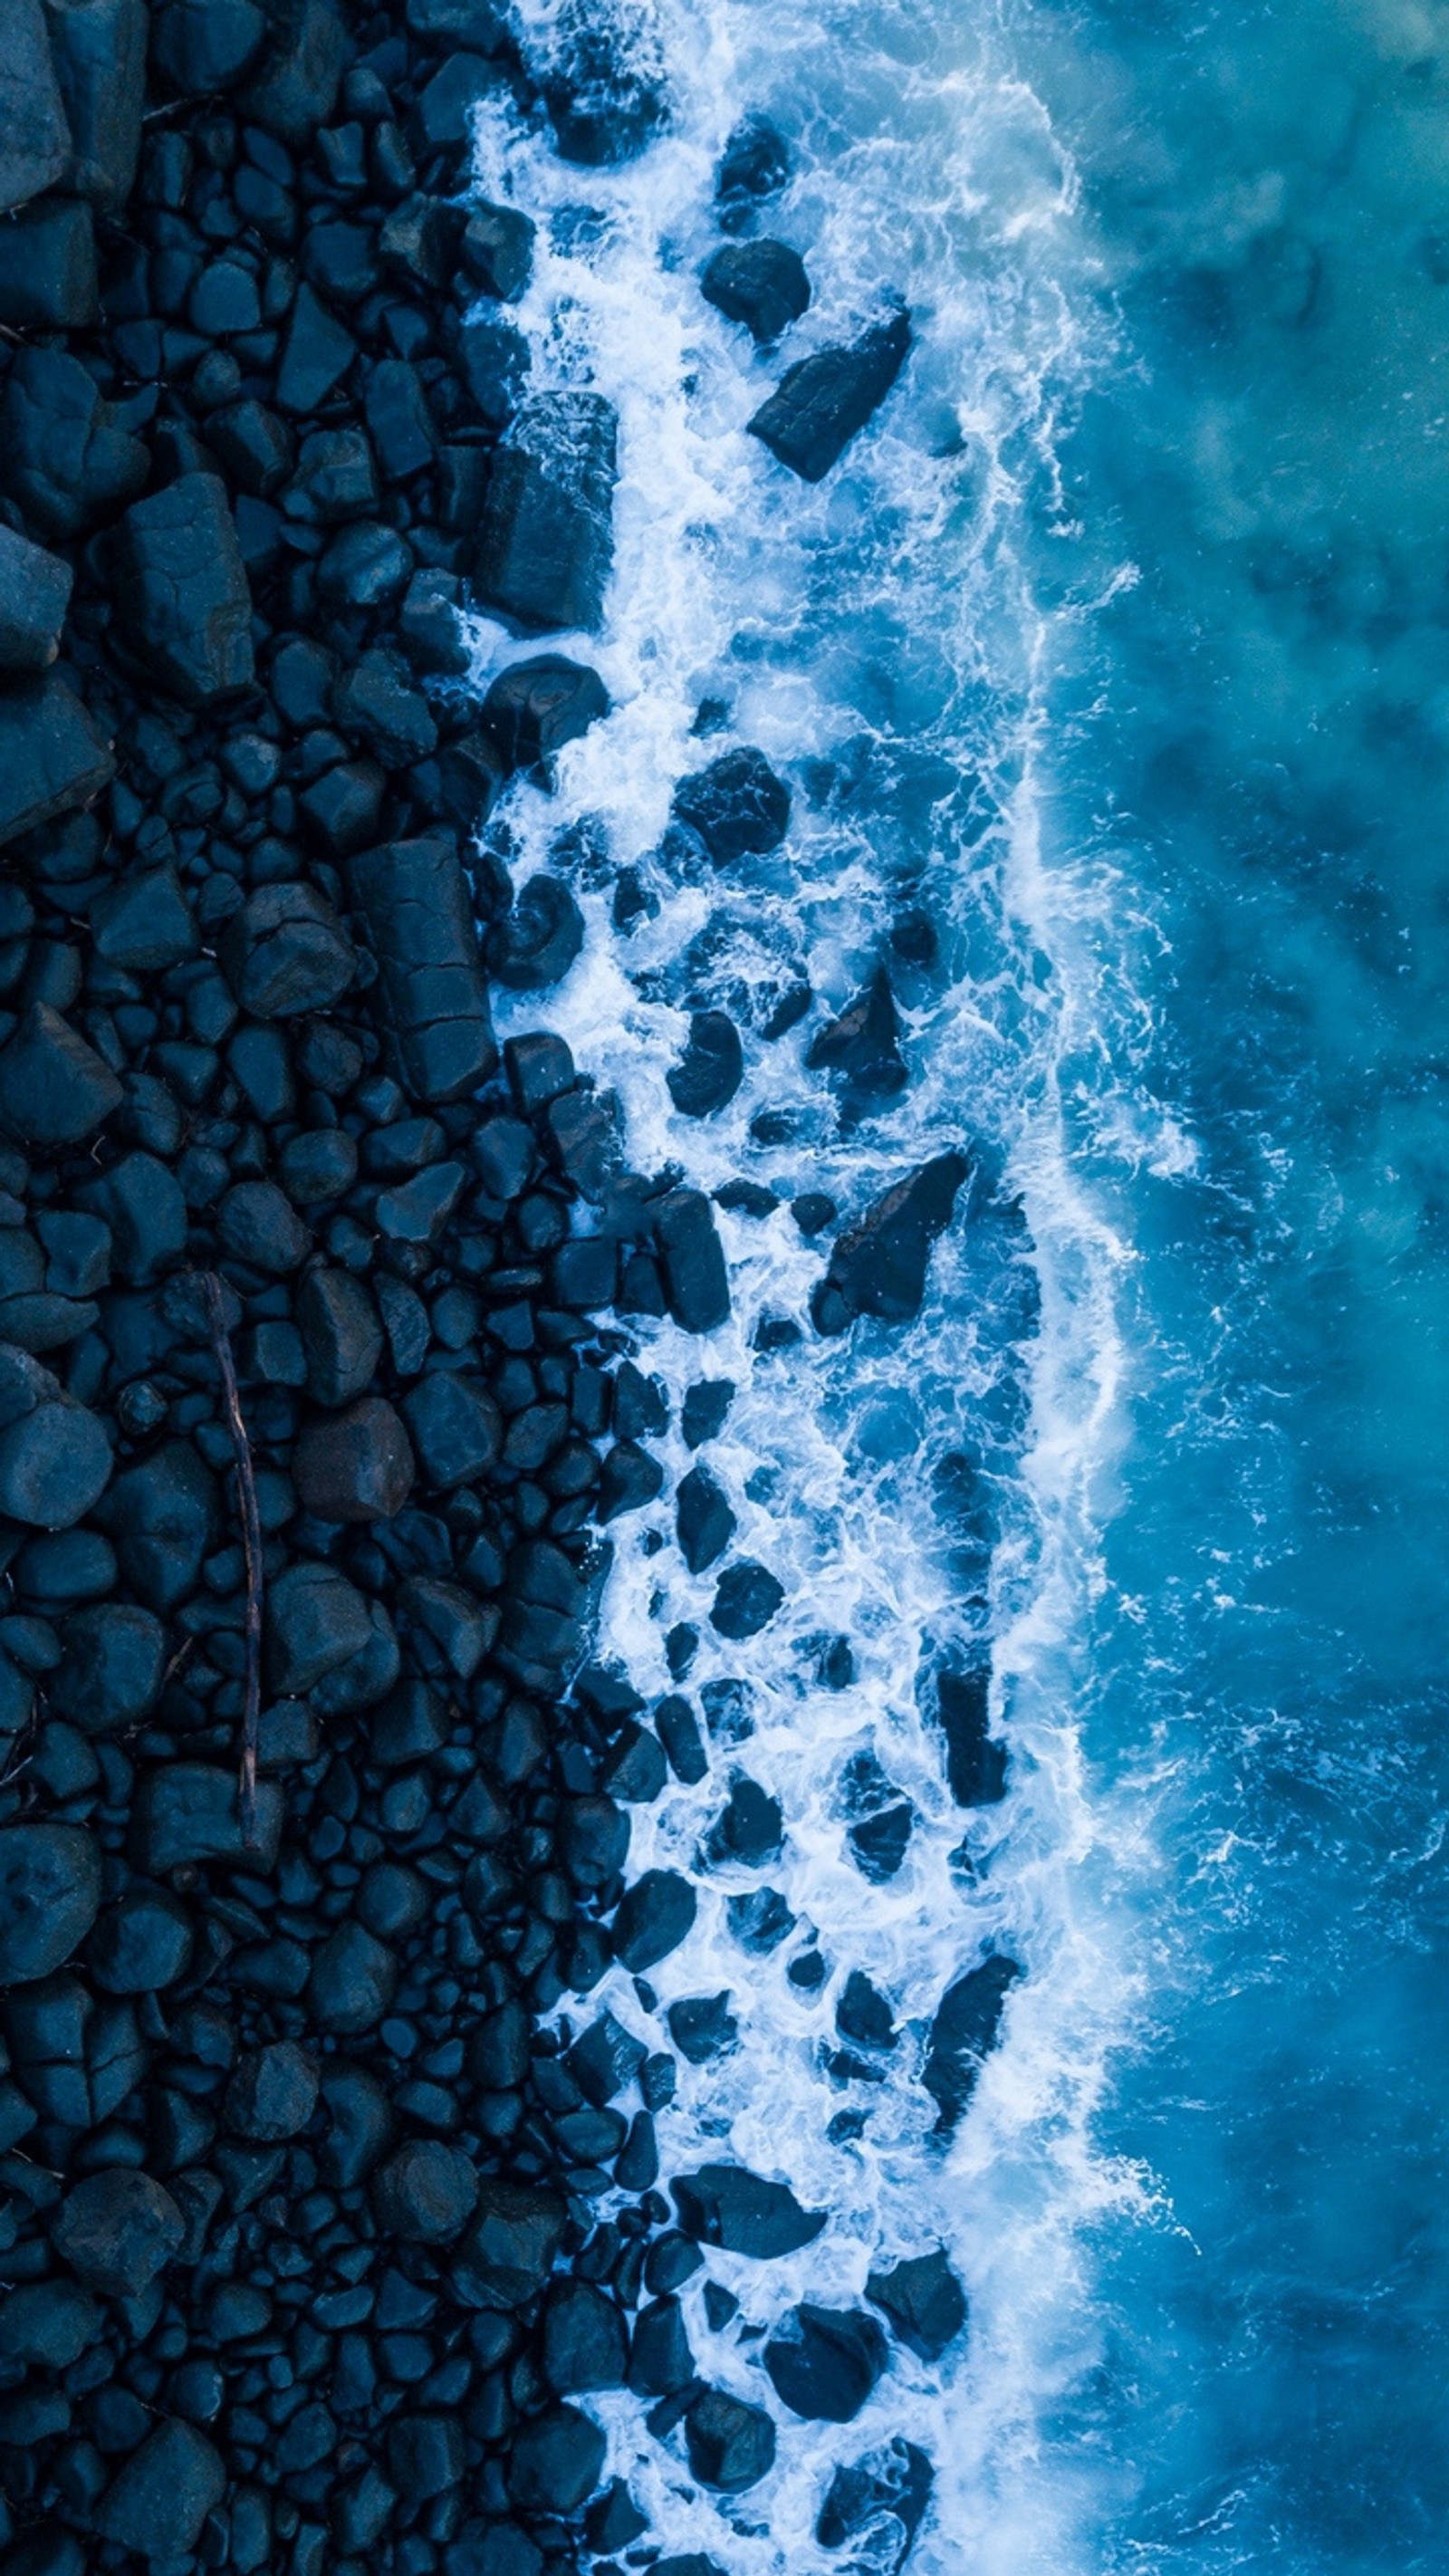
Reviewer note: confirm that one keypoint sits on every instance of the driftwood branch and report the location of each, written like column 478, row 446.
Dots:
column 251, row 1546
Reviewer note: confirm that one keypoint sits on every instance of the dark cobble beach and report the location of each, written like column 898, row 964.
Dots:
column 331, row 2205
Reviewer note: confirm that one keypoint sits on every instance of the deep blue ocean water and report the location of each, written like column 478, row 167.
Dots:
column 1118, row 647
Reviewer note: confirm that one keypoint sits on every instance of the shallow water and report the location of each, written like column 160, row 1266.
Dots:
column 1117, row 644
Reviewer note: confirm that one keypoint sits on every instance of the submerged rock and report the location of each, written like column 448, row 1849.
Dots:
column 754, row 165
column 878, row 2502
column 737, row 806
column 711, row 1069
column 731, row 2445
column 533, row 708
column 821, row 402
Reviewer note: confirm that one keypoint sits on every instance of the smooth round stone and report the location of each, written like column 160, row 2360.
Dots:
column 50, row 1894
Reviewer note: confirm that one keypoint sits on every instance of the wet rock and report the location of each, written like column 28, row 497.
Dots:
column 760, row 283
column 182, row 592
column 878, row 1266
column 703, row 1519
column 702, row 2027
column 425, row 2455
column 824, row 2362
column 201, row 48
column 545, row 541
column 963, row 2034
column 877, row 2502
column 746, row 1599
column 360, row 2123
column 117, row 2230
column 286, row 952
column 736, row 804
column 142, row 1944
column 731, row 2445
column 557, row 2457
column 750, row 1829
column 421, row 926
column 711, row 1069
column 498, row 250
column 48, row 267
column 35, row 143
column 533, row 708
column 159, row 2501
column 602, row 83
column 863, row 1044
column 191, row 1811
column 426, row 2193
column 272, row 2093
column 358, row 1467
column 351, row 1981
column 52, row 757
column 110, row 1670
column 584, row 2342
column 821, row 402
column 742, row 2213
column 538, row 939
column 975, row 1760
column 63, row 456
column 705, row 1407
column 317, row 354
column 653, row 1917
column 50, row 1895
column 863, row 2013
column 315, row 1620
column 100, row 59
column 34, row 595
column 754, row 165
column 455, row 1427
column 923, row 2300
column 691, row 1260
column 660, row 2362
column 604, row 2060
column 511, row 2244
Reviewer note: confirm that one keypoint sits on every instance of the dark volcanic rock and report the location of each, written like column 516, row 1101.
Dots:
column 54, row 1089
column 537, row 941
column 975, row 1760
column 924, row 2301
column 863, row 1043
column 533, row 708
column 49, row 2322
column 696, row 1283
column 286, row 952
column 315, row 1620
column 191, row 1811
column 161, row 2497
column 584, row 2342
column 455, row 1426
column 963, row 2033
column 703, row 1520
column 63, row 455
column 760, row 283
column 746, row 1599
column 731, row 2445
column 877, row 2502
column 545, row 541
column 821, row 402
column 878, row 1266
column 737, row 805
column 824, row 2362
column 100, row 60
column 358, row 1467
column 273, row 2092
column 52, row 757
column 426, row 2193
column 351, row 1981
column 754, row 165
column 55, row 1456
column 728, row 2206
column 143, row 1944
column 162, row 1516
column 34, row 594
column 420, row 921
column 556, row 2461
column 660, row 2362
column 48, row 267
column 50, row 1895
column 182, row 592
column 602, row 82
column 341, row 1335
column 35, row 143
column 117, row 2230
column 202, row 47
column 654, row 1916
column 512, row 2241
column 711, row 1069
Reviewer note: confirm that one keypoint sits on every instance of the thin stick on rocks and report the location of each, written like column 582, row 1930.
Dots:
column 251, row 1545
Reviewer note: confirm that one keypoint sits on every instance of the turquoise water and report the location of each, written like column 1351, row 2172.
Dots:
column 1118, row 645
column 1255, row 740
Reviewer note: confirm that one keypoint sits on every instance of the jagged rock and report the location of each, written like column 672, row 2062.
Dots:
column 34, row 595
column 142, row 1944
column 746, row 1599
column 743, row 2213
column 585, row 2345
column 653, row 1917
column 533, row 708
column 54, row 1088
column 512, row 2240
column 357, row 1467
column 285, row 952
column 100, row 60
column 110, row 1671
column 878, row 1266
column 924, row 2301
column 162, row 1516
column 48, row 267
column 421, row 925
column 293, row 92
column 62, row 455
column 161, row 2496
column 878, row 2503
column 143, row 922
column 118, row 2229
column 760, row 283
column 975, row 1760
column 822, row 401
column 315, row 1620
column 754, row 165
column 272, row 2093
column 863, row 1044
column 731, row 2445
column 711, row 1069
column 545, row 541
column 557, row 2457
column 426, row 2193
column 963, row 2033
column 602, row 81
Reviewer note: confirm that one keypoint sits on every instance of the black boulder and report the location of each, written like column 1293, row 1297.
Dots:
column 821, row 402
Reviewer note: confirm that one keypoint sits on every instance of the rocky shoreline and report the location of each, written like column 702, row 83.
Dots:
column 315, row 1374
